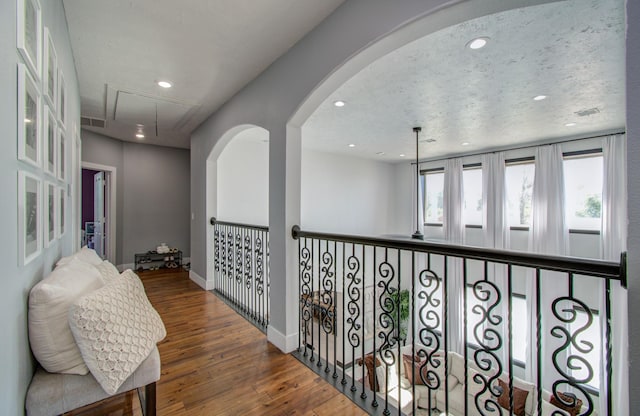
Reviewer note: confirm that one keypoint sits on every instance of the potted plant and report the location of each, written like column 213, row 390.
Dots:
column 402, row 306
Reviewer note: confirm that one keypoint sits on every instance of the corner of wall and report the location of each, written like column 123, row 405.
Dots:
column 285, row 343
column 200, row 281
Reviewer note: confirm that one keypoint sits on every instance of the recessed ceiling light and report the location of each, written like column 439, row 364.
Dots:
column 339, row 103
column 570, row 124
column 165, row 84
column 465, row 144
column 539, row 97
column 478, row 43
column 380, row 153
column 401, row 154
column 140, row 135
column 352, row 145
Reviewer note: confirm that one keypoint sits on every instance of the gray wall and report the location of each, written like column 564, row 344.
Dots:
column 156, row 199
column 152, row 194
column 15, row 355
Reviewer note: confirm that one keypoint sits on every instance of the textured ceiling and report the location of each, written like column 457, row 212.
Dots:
column 208, row 49
column 572, row 51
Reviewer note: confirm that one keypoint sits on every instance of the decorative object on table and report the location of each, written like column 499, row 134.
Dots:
column 29, row 142
column 163, row 248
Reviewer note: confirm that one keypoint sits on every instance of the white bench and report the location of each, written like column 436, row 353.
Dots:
column 52, row 394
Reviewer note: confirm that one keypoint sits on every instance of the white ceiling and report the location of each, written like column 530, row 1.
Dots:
column 571, row 51
column 208, row 49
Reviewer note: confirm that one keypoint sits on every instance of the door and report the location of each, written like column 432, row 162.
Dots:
column 98, row 213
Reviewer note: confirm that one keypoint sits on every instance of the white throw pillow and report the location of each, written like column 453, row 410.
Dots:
column 49, row 334
column 86, row 254
column 387, row 373
column 108, row 271
column 115, row 328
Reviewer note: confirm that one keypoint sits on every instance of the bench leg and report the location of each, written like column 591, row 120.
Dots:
column 150, row 399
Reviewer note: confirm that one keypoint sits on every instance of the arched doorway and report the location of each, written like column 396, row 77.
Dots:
column 238, row 236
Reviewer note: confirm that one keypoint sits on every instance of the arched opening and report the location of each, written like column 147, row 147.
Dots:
column 238, row 208
column 346, row 190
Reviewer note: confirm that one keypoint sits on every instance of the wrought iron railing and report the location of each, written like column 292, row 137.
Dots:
column 241, row 268
column 401, row 325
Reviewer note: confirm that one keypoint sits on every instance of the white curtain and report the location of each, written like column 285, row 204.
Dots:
column 495, row 227
column 496, row 235
column 548, row 235
column 417, row 201
column 614, row 238
column 454, row 234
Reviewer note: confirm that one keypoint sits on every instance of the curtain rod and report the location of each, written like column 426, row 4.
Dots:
column 522, row 147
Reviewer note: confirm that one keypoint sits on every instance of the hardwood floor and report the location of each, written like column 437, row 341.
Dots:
column 216, row 363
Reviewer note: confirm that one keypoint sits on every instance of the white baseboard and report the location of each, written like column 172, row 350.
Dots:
column 283, row 342
column 200, row 281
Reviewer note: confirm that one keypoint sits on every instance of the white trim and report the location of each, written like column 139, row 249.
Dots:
column 285, row 343
column 200, row 281
column 111, row 214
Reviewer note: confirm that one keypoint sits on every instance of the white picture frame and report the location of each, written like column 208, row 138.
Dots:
column 61, row 209
column 50, row 214
column 29, row 34
column 62, row 100
column 50, row 136
column 62, row 159
column 49, row 70
column 29, row 141
column 29, row 217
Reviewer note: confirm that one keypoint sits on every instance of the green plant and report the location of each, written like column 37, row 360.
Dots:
column 401, row 306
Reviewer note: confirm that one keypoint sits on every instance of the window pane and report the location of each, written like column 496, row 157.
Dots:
column 519, row 189
column 472, row 183
column 519, row 328
column 592, row 335
column 473, row 318
column 434, row 194
column 583, row 192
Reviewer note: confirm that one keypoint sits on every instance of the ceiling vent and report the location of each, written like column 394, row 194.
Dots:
column 93, row 122
column 587, row 112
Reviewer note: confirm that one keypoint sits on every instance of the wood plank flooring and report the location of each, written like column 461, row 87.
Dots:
column 216, row 363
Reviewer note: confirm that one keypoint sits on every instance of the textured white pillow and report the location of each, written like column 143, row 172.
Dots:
column 86, row 254
column 49, row 334
column 115, row 328
column 108, row 271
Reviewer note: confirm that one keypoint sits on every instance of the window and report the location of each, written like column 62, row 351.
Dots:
column 519, row 190
column 434, row 197
column 472, row 184
column 519, row 326
column 592, row 334
column 583, row 191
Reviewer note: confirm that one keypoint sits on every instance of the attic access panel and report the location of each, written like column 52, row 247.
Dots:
column 132, row 108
